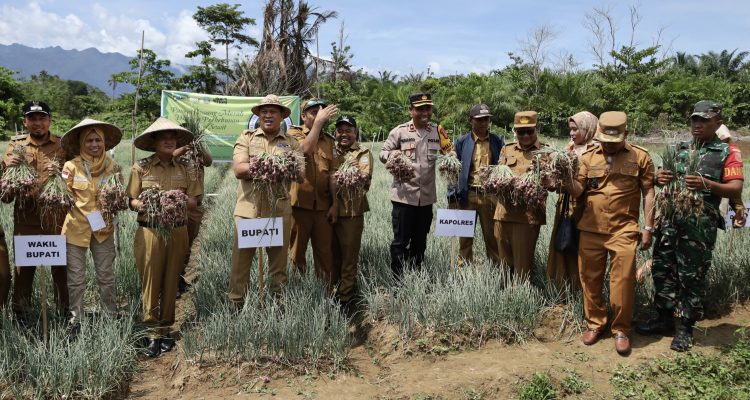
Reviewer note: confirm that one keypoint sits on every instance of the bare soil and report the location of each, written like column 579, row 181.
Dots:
column 379, row 366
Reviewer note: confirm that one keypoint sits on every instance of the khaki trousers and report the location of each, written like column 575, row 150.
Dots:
column 312, row 225
column 242, row 261
column 347, row 239
column 484, row 205
column 193, row 227
column 159, row 262
column 516, row 244
column 592, row 257
column 103, row 255
column 4, row 272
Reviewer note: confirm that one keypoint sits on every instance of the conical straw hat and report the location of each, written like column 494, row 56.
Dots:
column 145, row 141
column 71, row 139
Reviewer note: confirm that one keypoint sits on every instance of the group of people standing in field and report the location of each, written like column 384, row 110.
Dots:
column 599, row 207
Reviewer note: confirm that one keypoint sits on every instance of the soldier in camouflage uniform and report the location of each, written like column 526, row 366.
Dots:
column 682, row 254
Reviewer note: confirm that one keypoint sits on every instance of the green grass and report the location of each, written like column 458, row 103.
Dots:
column 689, row 376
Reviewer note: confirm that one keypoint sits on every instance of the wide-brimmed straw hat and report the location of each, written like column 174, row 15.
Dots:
column 71, row 139
column 272, row 100
column 146, row 140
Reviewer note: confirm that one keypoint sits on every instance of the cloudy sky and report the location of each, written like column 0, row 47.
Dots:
column 400, row 36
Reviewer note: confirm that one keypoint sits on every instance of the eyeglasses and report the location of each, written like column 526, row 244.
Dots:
column 523, row 132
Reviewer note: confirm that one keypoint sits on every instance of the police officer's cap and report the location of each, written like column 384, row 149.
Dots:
column 420, row 99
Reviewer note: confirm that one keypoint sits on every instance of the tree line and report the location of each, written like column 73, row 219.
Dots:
column 656, row 87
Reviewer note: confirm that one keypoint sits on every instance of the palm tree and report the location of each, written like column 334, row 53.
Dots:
column 289, row 29
column 725, row 64
column 685, row 61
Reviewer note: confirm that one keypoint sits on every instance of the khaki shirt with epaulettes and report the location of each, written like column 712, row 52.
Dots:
column 26, row 218
column 612, row 191
column 422, row 147
column 76, row 228
column 253, row 202
column 315, row 193
column 356, row 206
column 151, row 172
column 519, row 161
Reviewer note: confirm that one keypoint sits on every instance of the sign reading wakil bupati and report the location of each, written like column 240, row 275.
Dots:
column 36, row 250
column 260, row 232
column 455, row 222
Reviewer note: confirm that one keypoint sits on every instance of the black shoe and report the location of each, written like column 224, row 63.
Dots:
column 683, row 338
column 167, row 344
column 182, row 286
column 74, row 330
column 152, row 347
column 662, row 325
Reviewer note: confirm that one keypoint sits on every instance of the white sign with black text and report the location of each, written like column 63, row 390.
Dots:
column 455, row 222
column 36, row 250
column 260, row 232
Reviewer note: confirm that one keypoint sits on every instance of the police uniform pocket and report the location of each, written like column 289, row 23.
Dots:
column 409, row 150
column 433, row 150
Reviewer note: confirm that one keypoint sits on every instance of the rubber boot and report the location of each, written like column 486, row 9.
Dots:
column 683, row 338
column 662, row 325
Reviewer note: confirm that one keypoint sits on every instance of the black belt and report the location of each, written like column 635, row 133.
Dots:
column 154, row 225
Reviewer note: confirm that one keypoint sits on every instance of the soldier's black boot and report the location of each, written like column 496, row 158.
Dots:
column 662, row 325
column 683, row 338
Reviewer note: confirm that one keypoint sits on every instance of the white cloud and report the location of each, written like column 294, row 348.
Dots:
column 108, row 32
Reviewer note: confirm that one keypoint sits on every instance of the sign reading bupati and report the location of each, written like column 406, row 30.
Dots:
column 730, row 216
column 223, row 117
column 260, row 232
column 455, row 222
column 36, row 250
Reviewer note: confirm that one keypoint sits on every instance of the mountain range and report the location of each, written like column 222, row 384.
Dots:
column 89, row 65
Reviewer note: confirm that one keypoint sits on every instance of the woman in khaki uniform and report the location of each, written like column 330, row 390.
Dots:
column 347, row 231
column 84, row 227
column 562, row 266
column 159, row 260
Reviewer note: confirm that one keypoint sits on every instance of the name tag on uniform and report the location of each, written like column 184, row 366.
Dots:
column 79, row 178
column 96, row 221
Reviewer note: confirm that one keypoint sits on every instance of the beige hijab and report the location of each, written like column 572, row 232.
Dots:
column 587, row 123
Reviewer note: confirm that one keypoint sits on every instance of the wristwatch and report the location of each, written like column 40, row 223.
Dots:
column 650, row 229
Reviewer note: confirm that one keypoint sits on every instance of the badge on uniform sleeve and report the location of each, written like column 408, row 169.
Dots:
column 65, row 174
column 364, row 160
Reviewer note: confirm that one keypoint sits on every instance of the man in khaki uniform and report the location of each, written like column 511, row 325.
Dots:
column 254, row 203
column 477, row 150
column 42, row 148
column 4, row 271
column 421, row 141
column 314, row 202
column 159, row 260
column 613, row 176
column 347, row 231
column 517, row 227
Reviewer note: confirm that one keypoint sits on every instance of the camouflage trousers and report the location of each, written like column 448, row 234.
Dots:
column 682, row 257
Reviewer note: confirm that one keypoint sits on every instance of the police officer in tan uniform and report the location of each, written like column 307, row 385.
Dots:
column 42, row 148
column 613, row 177
column 314, row 202
column 517, row 227
column 253, row 203
column 159, row 260
column 347, row 231
column 422, row 141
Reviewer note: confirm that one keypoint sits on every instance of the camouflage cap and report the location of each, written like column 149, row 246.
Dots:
column 525, row 119
column 612, row 127
column 706, row 109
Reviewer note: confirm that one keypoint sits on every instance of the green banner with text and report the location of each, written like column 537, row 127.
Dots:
column 225, row 117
